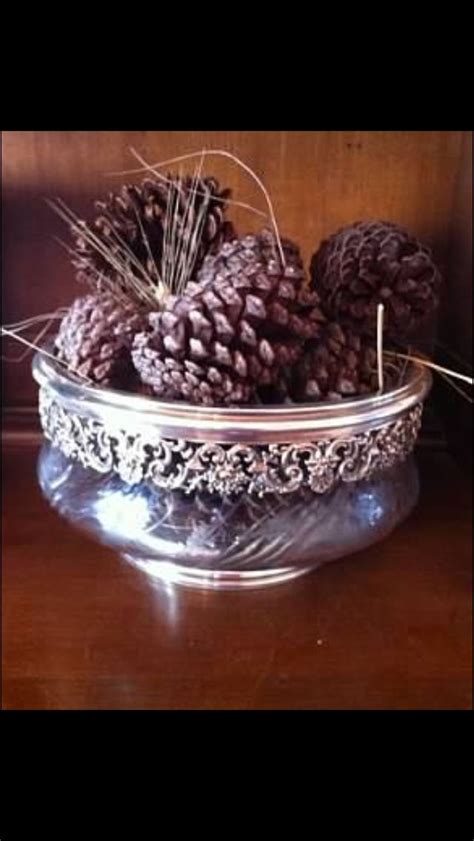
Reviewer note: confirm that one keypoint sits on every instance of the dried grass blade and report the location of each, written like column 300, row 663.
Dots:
column 224, row 153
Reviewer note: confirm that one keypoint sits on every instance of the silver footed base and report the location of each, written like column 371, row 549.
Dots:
column 208, row 579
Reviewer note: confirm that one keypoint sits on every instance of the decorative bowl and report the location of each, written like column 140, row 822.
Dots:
column 228, row 497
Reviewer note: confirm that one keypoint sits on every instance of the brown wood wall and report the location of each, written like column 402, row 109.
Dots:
column 318, row 181
column 457, row 325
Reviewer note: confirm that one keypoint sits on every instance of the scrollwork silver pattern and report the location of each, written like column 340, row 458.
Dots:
column 141, row 455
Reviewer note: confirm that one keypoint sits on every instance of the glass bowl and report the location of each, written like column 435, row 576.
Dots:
column 228, row 497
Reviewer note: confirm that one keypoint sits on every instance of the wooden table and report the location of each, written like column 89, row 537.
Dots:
column 386, row 628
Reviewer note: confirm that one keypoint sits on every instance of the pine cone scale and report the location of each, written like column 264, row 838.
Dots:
column 244, row 319
column 336, row 365
column 95, row 338
column 370, row 263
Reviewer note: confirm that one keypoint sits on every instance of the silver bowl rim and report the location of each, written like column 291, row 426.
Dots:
column 266, row 423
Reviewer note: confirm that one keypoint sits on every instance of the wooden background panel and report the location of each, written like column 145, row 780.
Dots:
column 318, row 181
column 456, row 328
column 458, row 321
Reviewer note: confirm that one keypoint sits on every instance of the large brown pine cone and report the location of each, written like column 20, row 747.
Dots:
column 95, row 338
column 134, row 220
column 338, row 364
column 368, row 263
column 246, row 318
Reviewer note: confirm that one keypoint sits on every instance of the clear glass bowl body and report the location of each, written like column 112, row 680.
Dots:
column 211, row 539
column 223, row 535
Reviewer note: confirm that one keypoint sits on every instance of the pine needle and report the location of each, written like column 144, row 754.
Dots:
column 4, row 331
column 183, row 229
column 220, row 152
column 16, row 329
column 455, row 387
column 380, row 314
column 150, row 168
column 453, row 354
column 140, row 289
column 429, row 364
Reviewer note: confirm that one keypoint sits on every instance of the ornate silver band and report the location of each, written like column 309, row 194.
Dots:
column 141, row 454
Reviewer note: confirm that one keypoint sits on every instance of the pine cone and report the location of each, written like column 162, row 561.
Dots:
column 234, row 330
column 368, row 263
column 95, row 338
column 134, row 220
column 338, row 364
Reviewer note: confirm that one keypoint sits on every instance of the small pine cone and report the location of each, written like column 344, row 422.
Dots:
column 95, row 338
column 234, row 330
column 339, row 364
column 133, row 220
column 368, row 263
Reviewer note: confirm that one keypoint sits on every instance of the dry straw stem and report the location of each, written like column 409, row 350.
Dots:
column 100, row 281
column 14, row 330
column 453, row 354
column 455, row 387
column 423, row 360
column 150, row 168
column 141, row 289
column 180, row 245
column 219, row 152
column 32, row 346
column 445, row 373
column 380, row 314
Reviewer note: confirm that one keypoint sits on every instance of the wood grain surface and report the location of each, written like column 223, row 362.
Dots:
column 389, row 628
column 318, row 181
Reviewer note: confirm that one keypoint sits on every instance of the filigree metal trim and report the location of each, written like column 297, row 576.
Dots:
column 142, row 455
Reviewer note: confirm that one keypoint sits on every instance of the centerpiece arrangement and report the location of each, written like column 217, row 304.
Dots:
column 183, row 308
column 219, row 414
